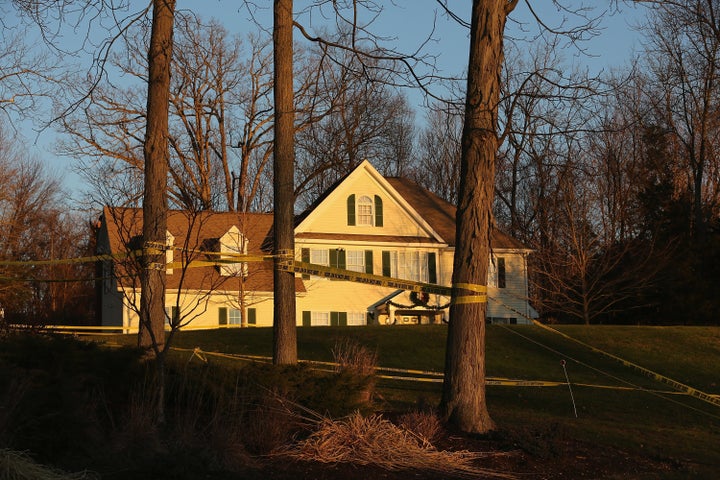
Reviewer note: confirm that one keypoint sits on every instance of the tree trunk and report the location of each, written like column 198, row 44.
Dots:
column 463, row 401
column 284, row 329
column 151, row 334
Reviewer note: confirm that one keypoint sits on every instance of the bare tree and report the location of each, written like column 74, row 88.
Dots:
column 438, row 163
column 26, row 77
column 463, row 400
column 156, row 153
column 684, row 61
column 36, row 227
column 361, row 118
column 284, row 329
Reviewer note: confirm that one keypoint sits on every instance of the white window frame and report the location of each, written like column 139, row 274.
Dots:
column 355, row 260
column 233, row 242
column 234, row 316
column 356, row 318
column 169, row 251
column 320, row 256
column 365, row 211
column 320, row 319
column 410, row 265
column 492, row 273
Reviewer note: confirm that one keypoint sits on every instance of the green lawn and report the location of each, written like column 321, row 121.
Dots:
column 662, row 425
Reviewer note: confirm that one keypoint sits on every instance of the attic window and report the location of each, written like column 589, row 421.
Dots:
column 233, row 243
column 169, row 243
column 366, row 211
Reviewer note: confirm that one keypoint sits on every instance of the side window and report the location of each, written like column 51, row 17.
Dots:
column 497, row 272
column 501, row 272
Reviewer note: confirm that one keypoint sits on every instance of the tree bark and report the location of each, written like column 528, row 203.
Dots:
column 463, row 401
column 284, row 328
column 151, row 334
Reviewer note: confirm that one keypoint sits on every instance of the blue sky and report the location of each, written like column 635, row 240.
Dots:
column 405, row 24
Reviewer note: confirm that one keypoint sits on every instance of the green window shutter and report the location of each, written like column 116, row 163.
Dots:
column 251, row 316
column 307, row 318
column 351, row 210
column 175, row 315
column 337, row 258
column 501, row 272
column 342, row 319
column 369, row 261
column 222, row 316
column 432, row 268
column 305, row 257
column 335, row 319
column 378, row 211
column 386, row 264
column 342, row 259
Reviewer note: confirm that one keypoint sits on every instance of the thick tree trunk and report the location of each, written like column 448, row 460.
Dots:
column 152, row 278
column 463, row 402
column 284, row 329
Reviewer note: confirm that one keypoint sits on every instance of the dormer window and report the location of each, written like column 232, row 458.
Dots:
column 169, row 244
column 365, row 211
column 233, row 243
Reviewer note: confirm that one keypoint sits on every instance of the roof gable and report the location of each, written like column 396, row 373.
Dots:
column 328, row 215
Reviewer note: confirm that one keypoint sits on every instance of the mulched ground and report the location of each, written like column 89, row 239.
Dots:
column 564, row 459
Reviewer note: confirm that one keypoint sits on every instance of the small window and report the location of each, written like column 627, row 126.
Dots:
column 172, row 316
column 233, row 243
column 235, row 317
column 365, row 211
column 355, row 260
column 356, row 318
column 169, row 250
column 319, row 257
column 501, row 272
column 320, row 319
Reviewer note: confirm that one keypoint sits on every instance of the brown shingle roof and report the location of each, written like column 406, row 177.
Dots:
column 440, row 214
column 195, row 233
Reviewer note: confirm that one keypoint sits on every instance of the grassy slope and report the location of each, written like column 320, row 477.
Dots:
column 657, row 425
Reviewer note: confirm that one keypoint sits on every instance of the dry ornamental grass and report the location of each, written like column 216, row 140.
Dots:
column 19, row 466
column 375, row 441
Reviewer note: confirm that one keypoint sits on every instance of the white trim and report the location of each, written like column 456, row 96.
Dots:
column 367, row 168
column 349, row 243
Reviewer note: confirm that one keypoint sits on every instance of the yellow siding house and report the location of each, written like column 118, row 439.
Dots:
column 365, row 223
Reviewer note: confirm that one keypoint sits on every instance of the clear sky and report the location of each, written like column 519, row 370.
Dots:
column 405, row 23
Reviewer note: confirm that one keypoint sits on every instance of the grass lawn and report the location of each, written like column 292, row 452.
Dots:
column 633, row 416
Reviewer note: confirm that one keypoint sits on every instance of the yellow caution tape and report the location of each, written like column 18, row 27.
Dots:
column 424, row 376
column 367, row 278
column 679, row 386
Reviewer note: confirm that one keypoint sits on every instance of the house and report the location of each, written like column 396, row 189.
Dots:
column 365, row 223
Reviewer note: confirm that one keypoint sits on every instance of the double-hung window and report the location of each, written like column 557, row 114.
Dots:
column 319, row 257
column 410, row 265
column 497, row 273
column 355, row 260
